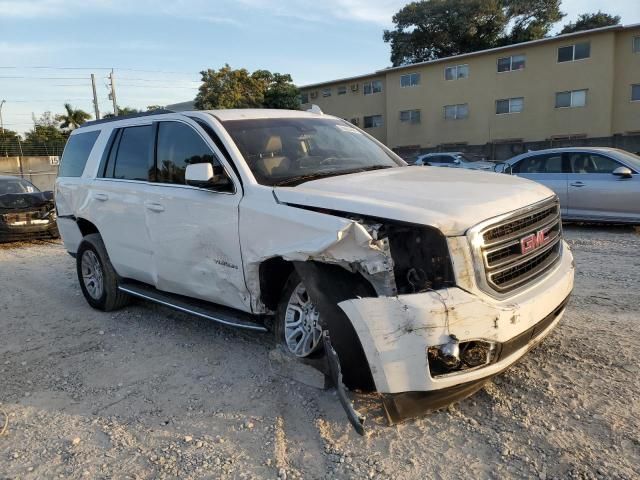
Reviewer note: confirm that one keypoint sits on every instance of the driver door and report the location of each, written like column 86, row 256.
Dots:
column 596, row 194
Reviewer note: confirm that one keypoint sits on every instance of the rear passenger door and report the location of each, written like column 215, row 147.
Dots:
column 117, row 201
column 549, row 170
column 194, row 230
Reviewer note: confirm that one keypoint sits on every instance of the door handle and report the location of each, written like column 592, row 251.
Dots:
column 154, row 207
column 103, row 197
column 578, row 184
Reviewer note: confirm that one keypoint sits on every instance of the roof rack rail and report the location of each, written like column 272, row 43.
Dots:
column 159, row 111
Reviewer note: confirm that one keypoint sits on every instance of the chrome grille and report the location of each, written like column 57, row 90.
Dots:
column 520, row 247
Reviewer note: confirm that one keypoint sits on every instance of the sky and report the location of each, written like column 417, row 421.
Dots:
column 158, row 47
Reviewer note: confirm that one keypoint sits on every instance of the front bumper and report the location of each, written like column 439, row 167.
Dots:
column 22, row 229
column 396, row 332
column 400, row 406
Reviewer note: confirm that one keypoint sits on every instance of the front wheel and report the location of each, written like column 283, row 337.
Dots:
column 298, row 326
column 98, row 280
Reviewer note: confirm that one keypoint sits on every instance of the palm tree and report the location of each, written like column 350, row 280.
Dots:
column 73, row 118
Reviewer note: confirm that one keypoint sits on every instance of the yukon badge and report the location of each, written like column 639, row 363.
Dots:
column 534, row 241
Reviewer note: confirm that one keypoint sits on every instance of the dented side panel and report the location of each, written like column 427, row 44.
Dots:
column 269, row 229
column 396, row 332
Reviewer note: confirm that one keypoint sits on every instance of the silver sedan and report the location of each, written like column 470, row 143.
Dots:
column 593, row 184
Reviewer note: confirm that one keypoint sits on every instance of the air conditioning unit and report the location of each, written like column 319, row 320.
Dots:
column 354, row 87
column 313, row 94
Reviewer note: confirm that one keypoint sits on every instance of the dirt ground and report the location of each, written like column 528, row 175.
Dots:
column 150, row 393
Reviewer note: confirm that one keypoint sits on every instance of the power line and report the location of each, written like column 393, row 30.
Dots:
column 97, row 68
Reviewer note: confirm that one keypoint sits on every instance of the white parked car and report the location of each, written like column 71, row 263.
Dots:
column 418, row 283
column 454, row 160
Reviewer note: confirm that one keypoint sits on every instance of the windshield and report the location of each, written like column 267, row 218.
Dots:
column 15, row 185
column 289, row 151
column 631, row 159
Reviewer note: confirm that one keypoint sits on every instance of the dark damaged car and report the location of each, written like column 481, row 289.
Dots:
column 25, row 212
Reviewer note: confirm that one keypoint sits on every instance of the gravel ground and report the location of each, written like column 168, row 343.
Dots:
column 150, row 393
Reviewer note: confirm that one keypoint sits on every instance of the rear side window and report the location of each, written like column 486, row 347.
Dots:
column 551, row 163
column 134, row 159
column 443, row 159
column 178, row 146
column 76, row 153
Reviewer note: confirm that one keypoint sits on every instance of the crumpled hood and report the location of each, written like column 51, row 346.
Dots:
column 21, row 201
column 450, row 199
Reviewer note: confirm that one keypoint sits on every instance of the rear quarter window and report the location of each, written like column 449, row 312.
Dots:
column 76, row 153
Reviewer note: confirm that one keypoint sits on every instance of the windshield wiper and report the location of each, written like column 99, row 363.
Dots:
column 314, row 176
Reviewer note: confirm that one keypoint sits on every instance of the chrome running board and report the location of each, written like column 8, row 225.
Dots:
column 217, row 313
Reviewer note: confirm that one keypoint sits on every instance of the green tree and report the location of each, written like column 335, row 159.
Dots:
column 122, row 111
column 73, row 118
column 426, row 30
column 588, row 21
column 282, row 93
column 9, row 143
column 151, row 108
column 229, row 88
column 45, row 138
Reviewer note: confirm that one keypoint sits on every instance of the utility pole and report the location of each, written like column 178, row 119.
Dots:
column 95, row 97
column 1, row 122
column 113, row 94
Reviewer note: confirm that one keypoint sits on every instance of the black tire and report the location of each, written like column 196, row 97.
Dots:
column 110, row 297
column 279, row 322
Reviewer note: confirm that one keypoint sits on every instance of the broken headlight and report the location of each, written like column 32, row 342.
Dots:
column 420, row 256
column 458, row 357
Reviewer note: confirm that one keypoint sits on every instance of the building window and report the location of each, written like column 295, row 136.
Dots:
column 304, row 98
column 509, row 105
column 514, row 62
column 375, row 86
column 342, row 90
column 374, row 121
column 571, row 53
column 456, row 112
column 457, row 72
column 635, row 93
column 636, row 44
column 410, row 116
column 326, row 92
column 410, row 80
column 575, row 98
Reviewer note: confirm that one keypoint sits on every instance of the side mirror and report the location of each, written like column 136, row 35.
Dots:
column 203, row 175
column 503, row 168
column 456, row 161
column 622, row 172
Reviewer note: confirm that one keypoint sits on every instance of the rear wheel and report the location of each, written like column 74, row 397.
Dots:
column 98, row 280
column 298, row 325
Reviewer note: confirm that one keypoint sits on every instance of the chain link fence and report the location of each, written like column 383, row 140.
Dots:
column 15, row 147
column 36, row 162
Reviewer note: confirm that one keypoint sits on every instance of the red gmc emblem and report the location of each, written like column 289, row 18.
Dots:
column 535, row 240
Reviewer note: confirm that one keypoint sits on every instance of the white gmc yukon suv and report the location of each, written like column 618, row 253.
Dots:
column 417, row 283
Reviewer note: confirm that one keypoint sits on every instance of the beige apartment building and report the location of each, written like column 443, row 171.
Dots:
column 580, row 85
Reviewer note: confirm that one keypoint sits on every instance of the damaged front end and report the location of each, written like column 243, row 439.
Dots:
column 27, row 216
column 399, row 302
